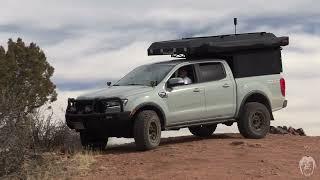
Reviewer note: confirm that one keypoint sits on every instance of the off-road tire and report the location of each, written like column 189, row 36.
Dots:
column 147, row 130
column 90, row 141
column 254, row 121
column 203, row 130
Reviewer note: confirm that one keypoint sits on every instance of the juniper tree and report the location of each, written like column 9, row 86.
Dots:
column 25, row 85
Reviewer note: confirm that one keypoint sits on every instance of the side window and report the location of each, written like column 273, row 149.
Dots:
column 187, row 73
column 211, row 72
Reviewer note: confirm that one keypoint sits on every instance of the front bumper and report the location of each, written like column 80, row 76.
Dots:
column 111, row 124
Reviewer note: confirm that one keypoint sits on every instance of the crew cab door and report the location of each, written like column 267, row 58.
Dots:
column 219, row 90
column 185, row 102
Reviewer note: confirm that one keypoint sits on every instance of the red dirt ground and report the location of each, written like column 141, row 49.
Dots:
column 223, row 156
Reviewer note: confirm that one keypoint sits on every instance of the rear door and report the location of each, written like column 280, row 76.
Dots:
column 219, row 90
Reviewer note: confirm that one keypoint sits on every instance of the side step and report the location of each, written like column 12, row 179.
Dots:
column 198, row 123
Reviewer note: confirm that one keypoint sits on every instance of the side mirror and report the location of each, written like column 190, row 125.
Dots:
column 109, row 83
column 175, row 82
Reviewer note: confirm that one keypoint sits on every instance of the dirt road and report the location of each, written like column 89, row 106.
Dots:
column 223, row 156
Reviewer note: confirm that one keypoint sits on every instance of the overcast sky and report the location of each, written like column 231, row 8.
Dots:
column 91, row 42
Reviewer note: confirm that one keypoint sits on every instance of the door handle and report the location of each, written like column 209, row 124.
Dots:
column 226, row 85
column 196, row 90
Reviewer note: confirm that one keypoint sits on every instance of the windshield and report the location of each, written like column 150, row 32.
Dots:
column 145, row 75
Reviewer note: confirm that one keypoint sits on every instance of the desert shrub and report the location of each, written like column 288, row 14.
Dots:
column 50, row 134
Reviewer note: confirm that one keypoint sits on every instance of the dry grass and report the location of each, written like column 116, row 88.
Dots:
column 52, row 165
column 59, row 166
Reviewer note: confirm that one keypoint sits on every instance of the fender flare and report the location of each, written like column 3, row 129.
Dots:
column 250, row 94
column 154, row 107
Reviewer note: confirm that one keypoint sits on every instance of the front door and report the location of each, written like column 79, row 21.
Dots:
column 186, row 102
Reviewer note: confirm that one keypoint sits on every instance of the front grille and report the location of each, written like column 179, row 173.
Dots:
column 108, row 105
column 82, row 106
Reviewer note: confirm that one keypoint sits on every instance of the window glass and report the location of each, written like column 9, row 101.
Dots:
column 145, row 74
column 186, row 73
column 211, row 71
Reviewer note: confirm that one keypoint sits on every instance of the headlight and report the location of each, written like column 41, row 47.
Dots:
column 114, row 105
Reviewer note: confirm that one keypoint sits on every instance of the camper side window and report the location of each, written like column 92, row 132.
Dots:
column 211, row 72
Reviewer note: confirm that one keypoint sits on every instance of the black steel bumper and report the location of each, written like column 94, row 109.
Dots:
column 110, row 124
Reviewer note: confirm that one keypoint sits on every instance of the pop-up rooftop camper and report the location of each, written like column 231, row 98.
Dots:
column 249, row 54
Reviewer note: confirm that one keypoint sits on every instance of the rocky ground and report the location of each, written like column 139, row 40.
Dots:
column 223, row 156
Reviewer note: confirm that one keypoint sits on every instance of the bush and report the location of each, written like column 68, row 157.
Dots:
column 50, row 134
column 25, row 86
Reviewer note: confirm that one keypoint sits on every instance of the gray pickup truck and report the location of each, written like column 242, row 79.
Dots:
column 214, row 80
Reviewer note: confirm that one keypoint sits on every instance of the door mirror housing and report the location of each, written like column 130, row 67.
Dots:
column 109, row 83
column 175, row 82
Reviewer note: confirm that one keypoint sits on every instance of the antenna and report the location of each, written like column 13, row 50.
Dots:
column 235, row 22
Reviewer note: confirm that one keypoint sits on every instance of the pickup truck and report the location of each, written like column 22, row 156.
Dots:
column 194, row 93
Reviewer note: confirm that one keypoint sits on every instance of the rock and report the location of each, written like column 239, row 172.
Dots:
column 286, row 130
column 282, row 131
column 301, row 132
column 272, row 130
column 277, row 130
column 291, row 130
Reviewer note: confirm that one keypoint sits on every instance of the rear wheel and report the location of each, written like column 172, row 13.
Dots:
column 93, row 142
column 254, row 122
column 203, row 130
column 147, row 130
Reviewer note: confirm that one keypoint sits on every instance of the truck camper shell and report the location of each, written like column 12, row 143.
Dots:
column 249, row 54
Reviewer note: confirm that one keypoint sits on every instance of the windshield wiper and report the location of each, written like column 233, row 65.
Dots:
column 135, row 84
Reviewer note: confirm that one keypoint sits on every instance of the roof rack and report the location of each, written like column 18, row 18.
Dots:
column 217, row 44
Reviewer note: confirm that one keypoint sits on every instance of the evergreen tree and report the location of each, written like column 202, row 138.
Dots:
column 25, row 85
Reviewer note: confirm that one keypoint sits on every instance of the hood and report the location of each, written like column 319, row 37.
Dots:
column 116, row 91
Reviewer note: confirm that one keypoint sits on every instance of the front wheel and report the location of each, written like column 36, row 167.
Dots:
column 203, row 130
column 254, row 122
column 147, row 130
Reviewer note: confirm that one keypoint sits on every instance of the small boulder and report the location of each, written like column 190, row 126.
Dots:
column 277, row 130
column 291, row 130
column 286, row 130
column 301, row 132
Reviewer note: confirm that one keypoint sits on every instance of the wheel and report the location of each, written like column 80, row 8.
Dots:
column 92, row 142
column 147, row 130
column 203, row 130
column 254, row 122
